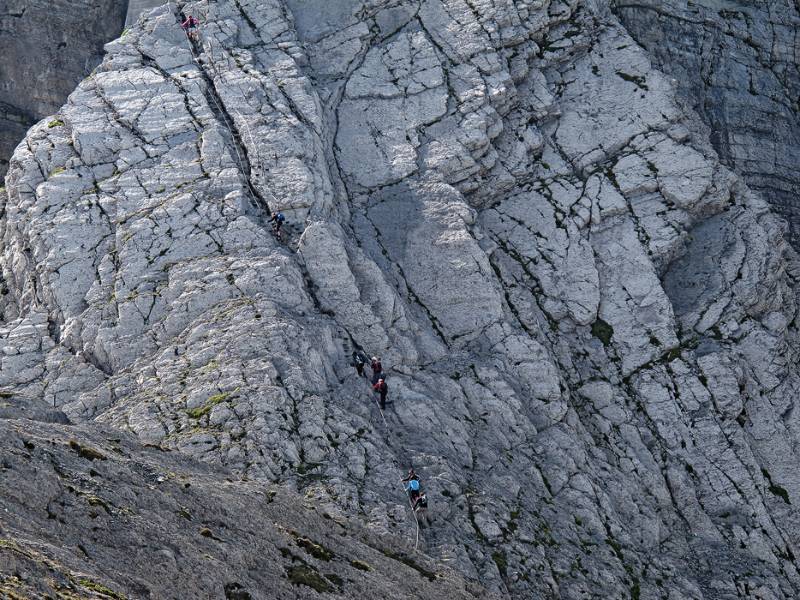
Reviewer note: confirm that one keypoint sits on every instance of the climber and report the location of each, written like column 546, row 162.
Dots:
column 190, row 26
column 359, row 360
column 377, row 369
column 412, row 489
column 277, row 220
column 382, row 389
column 421, row 507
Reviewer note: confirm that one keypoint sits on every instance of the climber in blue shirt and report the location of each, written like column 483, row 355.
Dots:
column 277, row 220
column 411, row 485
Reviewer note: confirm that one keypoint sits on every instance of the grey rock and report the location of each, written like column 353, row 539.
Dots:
column 735, row 63
column 77, row 504
column 588, row 323
column 48, row 47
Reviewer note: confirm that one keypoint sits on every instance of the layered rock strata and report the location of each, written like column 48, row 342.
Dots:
column 92, row 514
column 736, row 64
column 48, row 46
column 588, row 322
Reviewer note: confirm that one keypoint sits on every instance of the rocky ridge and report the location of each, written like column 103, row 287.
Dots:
column 589, row 322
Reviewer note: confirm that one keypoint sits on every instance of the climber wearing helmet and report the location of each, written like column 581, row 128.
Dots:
column 382, row 389
column 377, row 369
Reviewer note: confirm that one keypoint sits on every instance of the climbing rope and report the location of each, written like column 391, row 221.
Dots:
column 416, row 520
column 408, row 496
column 226, row 121
column 222, row 111
column 380, row 410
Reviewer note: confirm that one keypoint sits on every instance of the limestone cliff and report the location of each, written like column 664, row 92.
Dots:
column 736, row 63
column 588, row 322
column 47, row 47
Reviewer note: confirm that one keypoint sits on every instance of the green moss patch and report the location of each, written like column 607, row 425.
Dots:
column 99, row 589
column 308, row 576
column 409, row 562
column 360, row 565
column 499, row 559
column 86, row 452
column 779, row 491
column 201, row 411
column 314, row 549
column 602, row 331
column 638, row 80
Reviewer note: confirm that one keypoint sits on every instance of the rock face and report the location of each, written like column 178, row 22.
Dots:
column 48, row 46
column 736, row 63
column 137, row 7
column 588, row 322
column 94, row 515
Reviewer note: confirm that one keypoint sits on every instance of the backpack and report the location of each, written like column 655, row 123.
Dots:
column 281, row 218
column 413, row 485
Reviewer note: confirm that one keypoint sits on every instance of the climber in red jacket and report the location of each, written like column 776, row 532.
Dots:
column 377, row 369
column 382, row 389
column 190, row 26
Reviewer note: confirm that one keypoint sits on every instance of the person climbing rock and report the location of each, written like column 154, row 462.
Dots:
column 377, row 369
column 382, row 389
column 359, row 360
column 421, row 508
column 413, row 491
column 277, row 220
column 190, row 26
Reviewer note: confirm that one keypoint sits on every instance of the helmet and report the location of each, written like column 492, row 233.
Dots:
column 413, row 484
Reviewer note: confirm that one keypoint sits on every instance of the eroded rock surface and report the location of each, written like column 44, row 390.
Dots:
column 736, row 64
column 588, row 322
column 95, row 515
column 48, row 46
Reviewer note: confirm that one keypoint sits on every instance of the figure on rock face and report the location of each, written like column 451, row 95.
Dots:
column 382, row 389
column 277, row 220
column 421, row 507
column 377, row 369
column 413, row 491
column 359, row 360
column 190, row 26
column 412, row 476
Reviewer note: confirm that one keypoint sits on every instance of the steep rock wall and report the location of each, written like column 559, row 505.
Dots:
column 588, row 322
column 737, row 64
column 48, row 46
column 137, row 7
